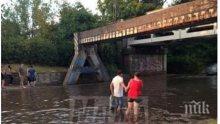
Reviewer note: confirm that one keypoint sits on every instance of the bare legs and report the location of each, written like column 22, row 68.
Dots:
column 136, row 112
column 130, row 106
column 34, row 82
column 133, row 105
column 136, row 106
column 29, row 83
column 3, row 83
column 22, row 81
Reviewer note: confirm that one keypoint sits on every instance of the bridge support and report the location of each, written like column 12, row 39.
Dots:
column 77, row 67
column 146, row 59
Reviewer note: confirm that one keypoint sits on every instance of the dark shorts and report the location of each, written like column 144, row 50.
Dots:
column 31, row 79
column 9, row 78
column 137, row 100
column 3, row 76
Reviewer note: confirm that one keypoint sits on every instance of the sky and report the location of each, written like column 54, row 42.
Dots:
column 89, row 4
column 92, row 4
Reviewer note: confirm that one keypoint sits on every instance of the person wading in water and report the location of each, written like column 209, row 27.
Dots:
column 116, row 88
column 31, row 76
column 22, row 74
column 134, row 88
column 3, row 74
column 9, row 75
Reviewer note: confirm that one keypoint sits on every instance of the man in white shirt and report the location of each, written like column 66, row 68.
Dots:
column 116, row 88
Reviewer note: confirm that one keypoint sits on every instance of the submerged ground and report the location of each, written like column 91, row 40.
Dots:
column 164, row 99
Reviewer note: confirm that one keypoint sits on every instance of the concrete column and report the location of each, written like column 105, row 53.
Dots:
column 76, row 49
column 97, row 63
column 147, row 59
column 75, row 68
column 77, row 65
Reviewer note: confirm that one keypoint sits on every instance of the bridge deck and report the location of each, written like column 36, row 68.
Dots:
column 187, row 14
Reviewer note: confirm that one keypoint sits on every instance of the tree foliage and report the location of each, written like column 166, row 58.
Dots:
column 75, row 19
column 37, row 39
column 192, row 57
column 112, row 10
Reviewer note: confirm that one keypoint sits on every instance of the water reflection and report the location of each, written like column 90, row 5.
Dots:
column 88, row 103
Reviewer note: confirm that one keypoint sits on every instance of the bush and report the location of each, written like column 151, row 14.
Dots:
column 41, row 51
column 192, row 57
column 13, row 50
column 36, row 51
column 184, row 64
column 65, row 52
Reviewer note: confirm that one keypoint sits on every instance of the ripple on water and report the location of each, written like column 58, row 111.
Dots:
column 3, row 112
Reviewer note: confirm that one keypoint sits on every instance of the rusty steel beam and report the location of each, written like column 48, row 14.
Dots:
column 186, row 14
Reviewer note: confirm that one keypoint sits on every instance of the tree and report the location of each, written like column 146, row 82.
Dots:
column 21, row 10
column 113, row 10
column 72, row 19
column 75, row 19
column 192, row 57
column 9, row 29
column 34, row 38
column 41, row 18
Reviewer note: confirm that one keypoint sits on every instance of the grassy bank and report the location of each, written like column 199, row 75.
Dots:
column 39, row 68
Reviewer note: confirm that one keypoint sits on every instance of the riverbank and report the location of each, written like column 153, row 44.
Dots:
column 188, row 75
column 15, row 87
column 39, row 68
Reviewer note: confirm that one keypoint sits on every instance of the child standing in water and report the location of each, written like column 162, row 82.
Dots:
column 31, row 76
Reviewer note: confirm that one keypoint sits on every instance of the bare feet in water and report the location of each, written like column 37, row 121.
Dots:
column 23, row 87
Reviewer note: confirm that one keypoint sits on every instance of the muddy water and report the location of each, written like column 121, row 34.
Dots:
column 164, row 99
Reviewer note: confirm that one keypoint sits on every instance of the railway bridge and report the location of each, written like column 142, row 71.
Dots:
column 194, row 19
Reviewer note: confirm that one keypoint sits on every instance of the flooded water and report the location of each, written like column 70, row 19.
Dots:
column 164, row 101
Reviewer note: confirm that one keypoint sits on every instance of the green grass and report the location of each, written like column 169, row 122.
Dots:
column 39, row 68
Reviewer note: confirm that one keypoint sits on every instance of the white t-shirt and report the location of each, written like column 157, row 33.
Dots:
column 118, row 88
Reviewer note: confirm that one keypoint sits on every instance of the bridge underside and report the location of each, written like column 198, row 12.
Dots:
column 149, row 55
column 146, row 60
column 160, row 38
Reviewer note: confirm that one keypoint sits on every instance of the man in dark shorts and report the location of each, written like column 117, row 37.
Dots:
column 31, row 76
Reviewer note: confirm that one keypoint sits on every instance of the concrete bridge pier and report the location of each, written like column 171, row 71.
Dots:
column 85, row 53
column 146, row 59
